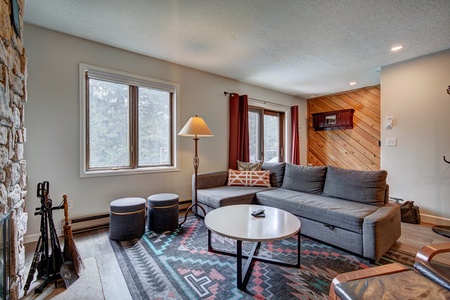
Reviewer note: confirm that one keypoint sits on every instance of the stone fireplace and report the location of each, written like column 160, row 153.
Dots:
column 5, row 259
column 13, row 174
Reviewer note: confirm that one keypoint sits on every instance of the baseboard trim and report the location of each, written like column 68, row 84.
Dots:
column 183, row 205
column 31, row 238
column 430, row 219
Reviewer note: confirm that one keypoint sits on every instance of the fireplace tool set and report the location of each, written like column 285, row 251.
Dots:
column 49, row 260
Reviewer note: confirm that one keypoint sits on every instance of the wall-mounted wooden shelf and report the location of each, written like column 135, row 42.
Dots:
column 332, row 120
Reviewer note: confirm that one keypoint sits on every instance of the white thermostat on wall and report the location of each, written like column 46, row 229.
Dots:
column 389, row 122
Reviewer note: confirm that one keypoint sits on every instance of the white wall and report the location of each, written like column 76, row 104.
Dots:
column 414, row 93
column 52, row 120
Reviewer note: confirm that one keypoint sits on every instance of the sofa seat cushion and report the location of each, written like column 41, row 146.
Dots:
column 228, row 195
column 331, row 211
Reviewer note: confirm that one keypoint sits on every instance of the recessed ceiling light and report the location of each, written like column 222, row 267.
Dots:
column 397, row 48
column 352, row 83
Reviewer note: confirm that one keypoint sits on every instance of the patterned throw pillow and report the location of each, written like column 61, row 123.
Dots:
column 249, row 178
column 249, row 166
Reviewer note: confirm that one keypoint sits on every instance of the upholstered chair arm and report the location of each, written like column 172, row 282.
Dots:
column 365, row 273
column 426, row 253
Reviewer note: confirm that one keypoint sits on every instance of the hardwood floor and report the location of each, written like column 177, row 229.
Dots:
column 90, row 244
column 96, row 244
column 416, row 236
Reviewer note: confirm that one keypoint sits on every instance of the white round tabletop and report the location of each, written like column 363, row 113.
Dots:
column 236, row 222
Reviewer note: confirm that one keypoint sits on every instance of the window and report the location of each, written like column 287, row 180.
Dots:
column 128, row 123
column 266, row 135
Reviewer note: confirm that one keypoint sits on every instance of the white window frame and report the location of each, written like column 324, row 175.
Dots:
column 131, row 79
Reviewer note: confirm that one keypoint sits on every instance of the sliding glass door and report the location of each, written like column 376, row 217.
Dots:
column 266, row 135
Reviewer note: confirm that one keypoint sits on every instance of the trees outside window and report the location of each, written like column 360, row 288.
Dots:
column 109, row 128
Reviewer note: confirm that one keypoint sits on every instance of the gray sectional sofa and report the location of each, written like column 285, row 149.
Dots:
column 345, row 208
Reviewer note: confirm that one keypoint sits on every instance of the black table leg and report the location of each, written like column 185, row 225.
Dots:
column 210, row 248
column 243, row 275
column 247, row 271
column 239, row 265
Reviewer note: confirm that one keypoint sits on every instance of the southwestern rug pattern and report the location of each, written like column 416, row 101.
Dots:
column 177, row 265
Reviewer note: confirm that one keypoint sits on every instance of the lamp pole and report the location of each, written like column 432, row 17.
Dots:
column 196, row 163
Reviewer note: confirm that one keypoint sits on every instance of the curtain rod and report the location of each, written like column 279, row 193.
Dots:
column 259, row 100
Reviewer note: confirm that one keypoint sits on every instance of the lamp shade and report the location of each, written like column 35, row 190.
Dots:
column 196, row 127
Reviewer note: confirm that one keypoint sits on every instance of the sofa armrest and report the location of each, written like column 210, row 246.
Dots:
column 211, row 179
column 381, row 230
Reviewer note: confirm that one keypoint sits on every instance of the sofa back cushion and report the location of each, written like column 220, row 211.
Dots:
column 304, row 179
column 276, row 172
column 361, row 186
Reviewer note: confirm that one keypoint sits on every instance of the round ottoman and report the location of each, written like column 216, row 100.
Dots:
column 127, row 219
column 162, row 212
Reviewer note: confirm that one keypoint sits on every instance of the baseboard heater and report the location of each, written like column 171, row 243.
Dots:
column 93, row 222
column 87, row 223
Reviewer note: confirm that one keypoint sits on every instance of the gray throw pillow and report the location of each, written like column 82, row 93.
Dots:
column 276, row 172
column 304, row 179
column 361, row 186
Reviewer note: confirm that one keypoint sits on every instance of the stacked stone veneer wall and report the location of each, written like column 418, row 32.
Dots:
column 13, row 74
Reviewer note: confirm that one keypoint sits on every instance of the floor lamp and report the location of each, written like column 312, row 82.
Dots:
column 195, row 128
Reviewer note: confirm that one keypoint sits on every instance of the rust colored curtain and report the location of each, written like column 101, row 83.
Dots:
column 295, row 141
column 239, row 137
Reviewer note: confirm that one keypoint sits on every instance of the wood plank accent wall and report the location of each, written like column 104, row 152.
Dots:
column 356, row 148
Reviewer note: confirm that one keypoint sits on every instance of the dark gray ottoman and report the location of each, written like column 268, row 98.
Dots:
column 127, row 219
column 162, row 212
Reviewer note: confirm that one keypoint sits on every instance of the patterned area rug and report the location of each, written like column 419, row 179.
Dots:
column 177, row 265
column 400, row 256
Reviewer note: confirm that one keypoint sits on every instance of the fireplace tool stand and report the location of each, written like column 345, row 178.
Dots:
column 48, row 265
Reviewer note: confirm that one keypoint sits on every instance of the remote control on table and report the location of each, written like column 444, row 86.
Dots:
column 258, row 213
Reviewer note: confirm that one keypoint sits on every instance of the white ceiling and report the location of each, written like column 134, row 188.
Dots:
column 301, row 48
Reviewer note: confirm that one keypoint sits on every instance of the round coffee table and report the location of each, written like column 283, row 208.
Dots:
column 236, row 222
